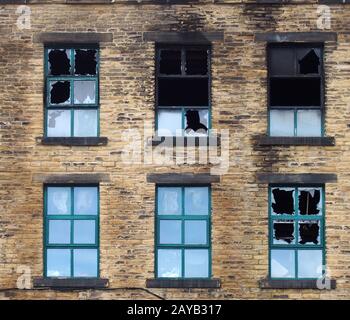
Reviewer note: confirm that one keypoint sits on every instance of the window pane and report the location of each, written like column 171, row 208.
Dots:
column 282, row 123
column 59, row 231
column 58, row 200
column 196, row 232
column 309, row 123
column 85, row 123
column 59, row 62
column 282, row 263
column 310, row 201
column 85, row 61
column 84, row 92
column 58, row 262
column 283, row 232
column 169, row 123
column 282, row 61
column 309, row 232
column 170, row 62
column 60, row 92
column 196, row 200
column 197, row 122
column 170, row 231
column 169, row 263
column 197, row 62
column 282, row 201
column 58, row 123
column 84, row 231
column 169, row 201
column 85, row 262
column 196, row 263
column 309, row 263
column 85, row 200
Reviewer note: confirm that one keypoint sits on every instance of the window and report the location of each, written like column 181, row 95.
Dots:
column 71, row 231
column 296, row 90
column 72, row 92
column 183, row 90
column 183, row 232
column 296, row 232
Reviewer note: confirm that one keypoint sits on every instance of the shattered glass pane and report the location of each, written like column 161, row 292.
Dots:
column 170, row 62
column 85, row 262
column 58, row 200
column 169, row 263
column 282, row 200
column 169, row 122
column 196, row 200
column 309, row 61
column 59, row 62
column 310, row 202
column 59, row 231
column 170, row 231
column 196, row 62
column 84, row 92
column 309, row 232
column 282, row 263
column 309, row 263
column 281, row 123
column 85, row 123
column 195, row 232
column 84, row 231
column 85, row 200
column 196, row 263
column 59, row 92
column 197, row 122
column 58, row 123
column 169, row 201
column 58, row 262
column 309, row 123
column 85, row 62
column 282, row 62
column 283, row 232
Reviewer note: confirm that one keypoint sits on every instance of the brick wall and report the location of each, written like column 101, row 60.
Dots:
column 239, row 103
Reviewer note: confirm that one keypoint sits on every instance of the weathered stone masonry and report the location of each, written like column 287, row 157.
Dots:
column 239, row 103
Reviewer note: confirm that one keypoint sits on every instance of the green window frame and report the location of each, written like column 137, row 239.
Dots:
column 79, row 118
column 296, row 120
column 179, row 111
column 300, row 255
column 71, row 230
column 174, row 242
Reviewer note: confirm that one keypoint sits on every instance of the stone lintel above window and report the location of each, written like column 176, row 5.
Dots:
column 182, row 178
column 297, row 178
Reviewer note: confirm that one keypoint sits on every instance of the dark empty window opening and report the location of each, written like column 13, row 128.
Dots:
column 309, row 232
column 85, row 62
column 60, row 92
column 59, row 62
column 284, row 201
column 284, row 231
column 310, row 63
column 183, row 83
column 296, row 87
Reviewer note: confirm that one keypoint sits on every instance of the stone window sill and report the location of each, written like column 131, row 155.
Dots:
column 70, row 283
column 184, row 141
column 294, row 284
column 296, row 141
column 73, row 141
column 183, row 283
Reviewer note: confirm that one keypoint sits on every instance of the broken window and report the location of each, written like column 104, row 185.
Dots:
column 183, row 90
column 72, row 93
column 295, row 90
column 183, row 232
column 296, row 231
column 71, row 231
